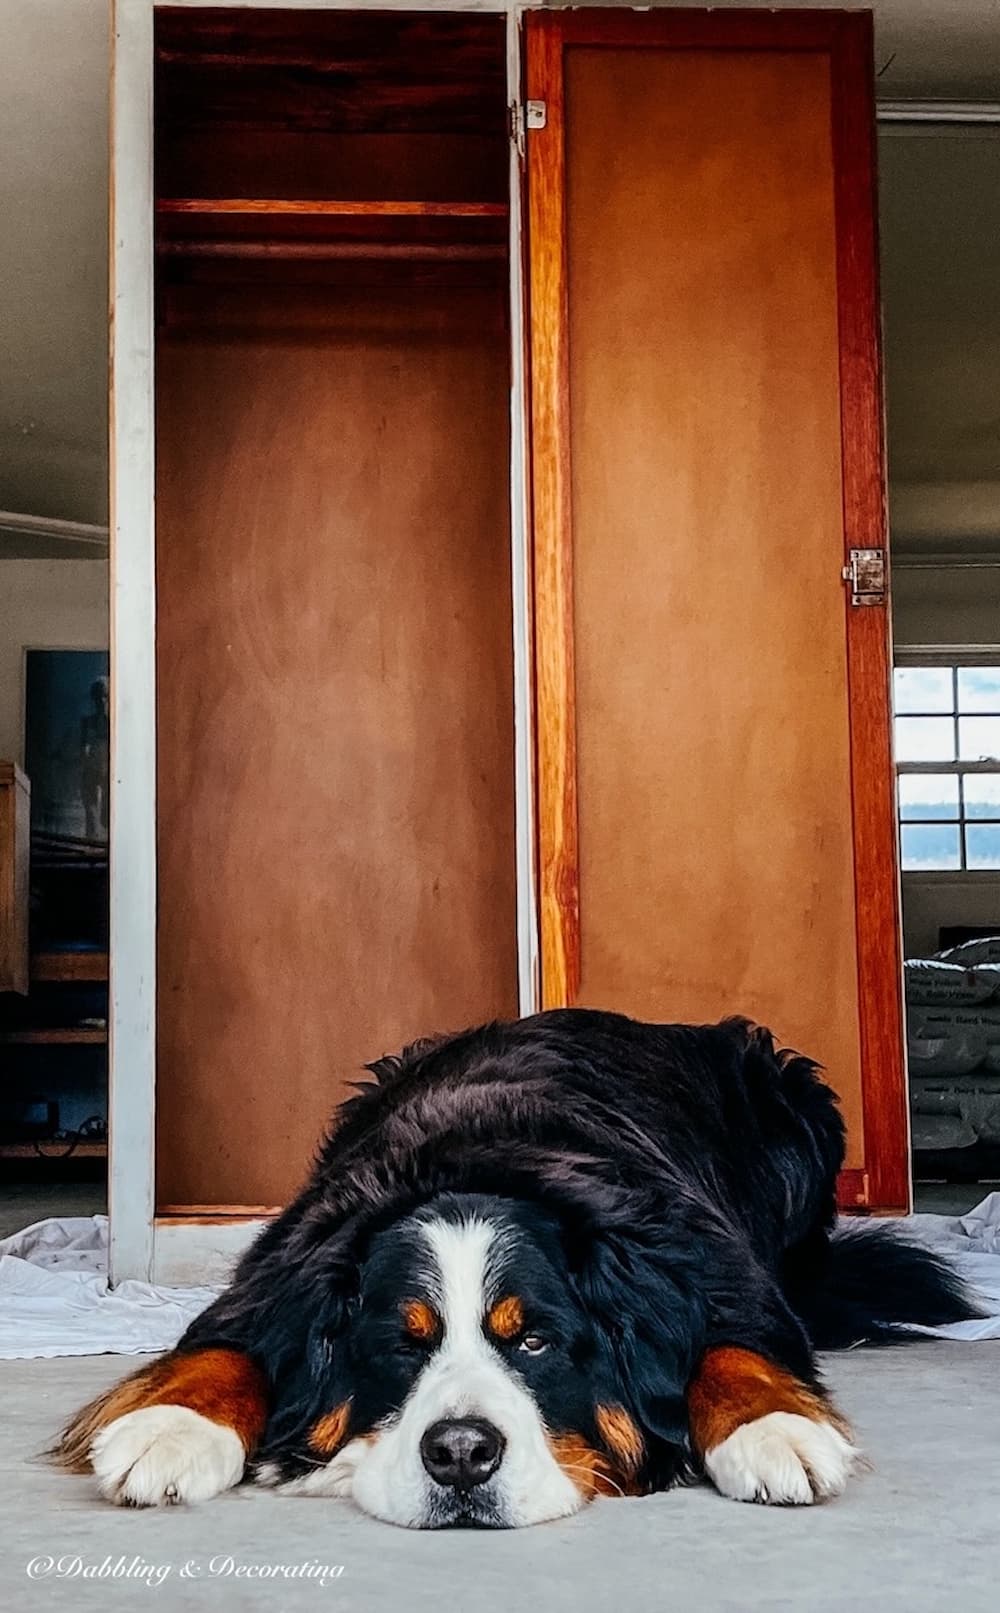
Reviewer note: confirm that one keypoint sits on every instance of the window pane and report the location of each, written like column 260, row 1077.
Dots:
column 978, row 738
column 924, row 688
column 982, row 845
column 978, row 688
column 930, row 845
column 929, row 795
column 927, row 739
column 982, row 795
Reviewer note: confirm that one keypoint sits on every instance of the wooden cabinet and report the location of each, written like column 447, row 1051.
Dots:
column 15, row 851
column 335, row 780
column 512, row 385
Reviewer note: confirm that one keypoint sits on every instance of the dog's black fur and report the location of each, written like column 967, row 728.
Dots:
column 679, row 1180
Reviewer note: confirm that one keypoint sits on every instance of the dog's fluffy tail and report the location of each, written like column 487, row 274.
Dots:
column 872, row 1283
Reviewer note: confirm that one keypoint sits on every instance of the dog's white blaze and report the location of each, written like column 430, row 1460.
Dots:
column 783, row 1459
column 163, row 1454
column 465, row 1376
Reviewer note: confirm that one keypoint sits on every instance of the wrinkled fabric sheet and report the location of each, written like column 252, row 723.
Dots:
column 55, row 1298
column 972, row 1243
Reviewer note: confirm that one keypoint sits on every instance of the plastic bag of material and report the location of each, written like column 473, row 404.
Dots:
column 941, row 1056
column 932, row 981
column 981, row 1111
column 940, row 1131
column 933, row 1095
column 984, row 950
column 948, row 1041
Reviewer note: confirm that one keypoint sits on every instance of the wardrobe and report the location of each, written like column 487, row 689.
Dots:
column 500, row 612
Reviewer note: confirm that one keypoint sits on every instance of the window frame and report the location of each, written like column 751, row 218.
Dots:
column 953, row 657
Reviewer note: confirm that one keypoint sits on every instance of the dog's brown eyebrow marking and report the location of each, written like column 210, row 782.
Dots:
column 506, row 1318
column 621, row 1436
column 326, row 1435
column 420, row 1320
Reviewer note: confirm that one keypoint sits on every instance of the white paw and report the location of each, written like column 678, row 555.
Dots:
column 165, row 1454
column 782, row 1458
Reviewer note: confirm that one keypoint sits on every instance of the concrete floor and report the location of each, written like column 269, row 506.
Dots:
column 950, row 1198
column 23, row 1203
column 920, row 1533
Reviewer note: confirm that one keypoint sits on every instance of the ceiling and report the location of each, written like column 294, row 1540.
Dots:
column 53, row 254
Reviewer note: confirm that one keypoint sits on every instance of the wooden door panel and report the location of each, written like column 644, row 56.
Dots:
column 335, row 733
column 712, row 709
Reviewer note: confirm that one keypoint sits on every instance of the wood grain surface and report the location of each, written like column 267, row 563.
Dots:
column 336, row 833
column 714, row 716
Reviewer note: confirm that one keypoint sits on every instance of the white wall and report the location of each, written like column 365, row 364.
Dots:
column 62, row 604
column 930, row 900
column 949, row 606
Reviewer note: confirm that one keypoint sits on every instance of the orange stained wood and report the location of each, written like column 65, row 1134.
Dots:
column 320, row 207
column 715, row 811
column 335, row 734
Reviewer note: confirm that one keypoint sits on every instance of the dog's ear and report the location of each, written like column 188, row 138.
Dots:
column 317, row 1378
column 649, row 1325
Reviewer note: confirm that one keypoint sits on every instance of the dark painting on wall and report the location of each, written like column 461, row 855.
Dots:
column 66, row 736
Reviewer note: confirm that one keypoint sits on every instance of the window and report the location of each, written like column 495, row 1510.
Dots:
column 948, row 762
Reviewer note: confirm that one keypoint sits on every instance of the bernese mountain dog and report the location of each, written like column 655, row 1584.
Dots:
column 537, row 1262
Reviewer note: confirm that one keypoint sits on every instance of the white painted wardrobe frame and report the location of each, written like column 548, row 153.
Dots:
column 200, row 1249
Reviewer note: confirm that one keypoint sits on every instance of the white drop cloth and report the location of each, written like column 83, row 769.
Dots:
column 972, row 1244
column 55, row 1298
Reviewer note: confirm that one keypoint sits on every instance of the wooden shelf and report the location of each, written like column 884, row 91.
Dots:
column 331, row 230
column 55, row 1035
column 84, row 967
column 257, row 206
column 52, row 1148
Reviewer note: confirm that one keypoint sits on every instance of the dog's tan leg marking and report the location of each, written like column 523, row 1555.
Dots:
column 179, row 1430
column 763, row 1435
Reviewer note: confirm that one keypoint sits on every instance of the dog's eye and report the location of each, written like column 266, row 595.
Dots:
column 533, row 1344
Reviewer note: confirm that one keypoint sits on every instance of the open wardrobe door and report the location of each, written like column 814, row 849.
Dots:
column 716, row 814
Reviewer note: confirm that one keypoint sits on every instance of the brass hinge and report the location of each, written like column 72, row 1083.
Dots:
column 867, row 576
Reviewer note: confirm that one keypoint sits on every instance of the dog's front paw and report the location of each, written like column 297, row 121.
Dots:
column 163, row 1455
column 783, row 1459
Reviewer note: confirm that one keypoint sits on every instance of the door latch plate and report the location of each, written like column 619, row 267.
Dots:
column 866, row 575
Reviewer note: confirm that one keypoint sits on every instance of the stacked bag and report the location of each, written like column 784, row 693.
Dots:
column 953, row 1043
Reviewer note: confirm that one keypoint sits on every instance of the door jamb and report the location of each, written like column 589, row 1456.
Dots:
column 143, row 1245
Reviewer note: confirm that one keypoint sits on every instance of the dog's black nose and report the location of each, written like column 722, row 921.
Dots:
column 462, row 1451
